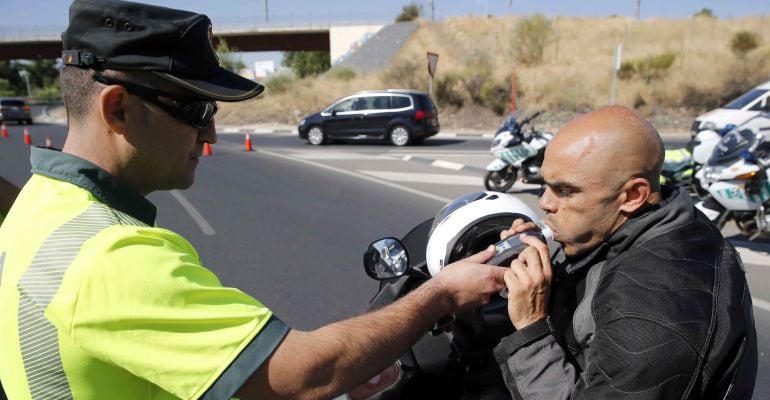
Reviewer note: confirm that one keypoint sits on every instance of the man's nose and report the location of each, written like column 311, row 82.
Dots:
column 208, row 134
column 547, row 201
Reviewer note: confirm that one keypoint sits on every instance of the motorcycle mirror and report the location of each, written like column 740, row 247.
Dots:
column 386, row 259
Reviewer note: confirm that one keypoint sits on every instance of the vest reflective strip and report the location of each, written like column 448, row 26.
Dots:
column 37, row 287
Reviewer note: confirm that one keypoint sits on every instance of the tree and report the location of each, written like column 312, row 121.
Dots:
column 531, row 35
column 743, row 42
column 228, row 58
column 305, row 63
column 409, row 12
column 705, row 12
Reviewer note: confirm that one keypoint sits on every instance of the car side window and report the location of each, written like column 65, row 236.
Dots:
column 346, row 105
column 381, row 102
column 400, row 102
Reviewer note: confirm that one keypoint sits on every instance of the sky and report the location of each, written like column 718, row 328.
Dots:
column 49, row 17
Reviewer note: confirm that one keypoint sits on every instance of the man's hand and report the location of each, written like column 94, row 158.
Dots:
column 529, row 283
column 517, row 227
column 469, row 282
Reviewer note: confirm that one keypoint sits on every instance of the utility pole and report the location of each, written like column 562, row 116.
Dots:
column 432, row 11
column 638, row 9
column 267, row 20
column 510, row 6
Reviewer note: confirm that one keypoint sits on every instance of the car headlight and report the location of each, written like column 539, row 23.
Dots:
column 302, row 122
column 709, row 125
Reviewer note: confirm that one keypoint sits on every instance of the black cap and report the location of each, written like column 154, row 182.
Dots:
column 173, row 44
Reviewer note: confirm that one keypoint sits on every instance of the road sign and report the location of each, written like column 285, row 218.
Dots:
column 432, row 61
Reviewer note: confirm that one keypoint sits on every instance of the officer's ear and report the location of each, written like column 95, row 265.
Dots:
column 113, row 100
column 634, row 194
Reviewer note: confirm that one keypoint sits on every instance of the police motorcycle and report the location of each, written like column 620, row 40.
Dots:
column 516, row 149
column 681, row 165
column 454, row 359
column 736, row 177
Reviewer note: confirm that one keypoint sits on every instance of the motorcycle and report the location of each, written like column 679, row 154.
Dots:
column 681, row 165
column 736, row 177
column 516, row 149
column 452, row 361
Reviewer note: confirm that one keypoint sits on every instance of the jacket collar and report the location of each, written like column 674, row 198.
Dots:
column 105, row 187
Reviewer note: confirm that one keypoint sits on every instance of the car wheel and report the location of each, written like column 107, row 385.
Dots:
column 399, row 136
column 316, row 136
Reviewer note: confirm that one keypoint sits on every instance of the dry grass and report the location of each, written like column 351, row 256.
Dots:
column 576, row 75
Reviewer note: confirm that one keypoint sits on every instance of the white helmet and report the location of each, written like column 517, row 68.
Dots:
column 469, row 224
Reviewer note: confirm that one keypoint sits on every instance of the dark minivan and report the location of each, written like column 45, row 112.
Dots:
column 13, row 109
column 399, row 116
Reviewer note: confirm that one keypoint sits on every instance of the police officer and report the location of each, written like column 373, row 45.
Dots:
column 99, row 303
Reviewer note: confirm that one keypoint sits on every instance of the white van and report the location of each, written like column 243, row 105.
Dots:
column 736, row 112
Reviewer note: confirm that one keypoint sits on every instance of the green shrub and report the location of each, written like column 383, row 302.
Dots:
column 497, row 96
column 279, row 83
column 48, row 93
column 531, row 35
column 743, row 42
column 655, row 67
column 342, row 73
column 477, row 70
column 627, row 70
column 447, row 91
column 405, row 75
column 306, row 63
column 409, row 12
column 706, row 13
column 5, row 88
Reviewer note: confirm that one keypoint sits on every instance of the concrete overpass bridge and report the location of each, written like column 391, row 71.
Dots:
column 338, row 40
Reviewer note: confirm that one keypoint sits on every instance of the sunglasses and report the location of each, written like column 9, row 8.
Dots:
column 194, row 112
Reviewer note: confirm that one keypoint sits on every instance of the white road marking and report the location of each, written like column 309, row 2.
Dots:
column 749, row 256
column 313, row 155
column 437, row 179
column 761, row 304
column 447, row 165
column 431, row 196
column 196, row 216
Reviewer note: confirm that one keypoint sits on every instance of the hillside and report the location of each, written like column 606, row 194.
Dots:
column 477, row 57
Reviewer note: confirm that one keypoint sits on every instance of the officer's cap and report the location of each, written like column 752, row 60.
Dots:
column 173, row 44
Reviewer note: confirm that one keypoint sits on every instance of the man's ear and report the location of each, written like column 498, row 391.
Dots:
column 112, row 108
column 635, row 194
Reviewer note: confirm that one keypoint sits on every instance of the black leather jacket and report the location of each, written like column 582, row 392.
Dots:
column 659, row 311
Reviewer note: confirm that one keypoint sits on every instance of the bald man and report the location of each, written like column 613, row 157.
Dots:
column 644, row 299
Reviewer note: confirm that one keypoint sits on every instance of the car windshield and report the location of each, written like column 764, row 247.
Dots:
column 746, row 99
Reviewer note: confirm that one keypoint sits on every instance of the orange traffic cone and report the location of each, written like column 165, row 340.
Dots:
column 206, row 149
column 48, row 142
column 247, row 143
column 27, row 137
column 4, row 131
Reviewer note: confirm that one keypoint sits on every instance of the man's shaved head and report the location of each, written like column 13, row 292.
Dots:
column 614, row 139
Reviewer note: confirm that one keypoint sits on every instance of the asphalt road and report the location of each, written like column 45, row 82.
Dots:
column 288, row 223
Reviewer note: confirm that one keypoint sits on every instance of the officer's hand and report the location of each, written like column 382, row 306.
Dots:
column 517, row 227
column 469, row 282
column 529, row 284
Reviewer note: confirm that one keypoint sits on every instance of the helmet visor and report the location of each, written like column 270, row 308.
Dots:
column 454, row 205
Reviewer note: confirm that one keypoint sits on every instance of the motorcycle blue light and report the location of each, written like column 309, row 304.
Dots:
column 748, row 156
